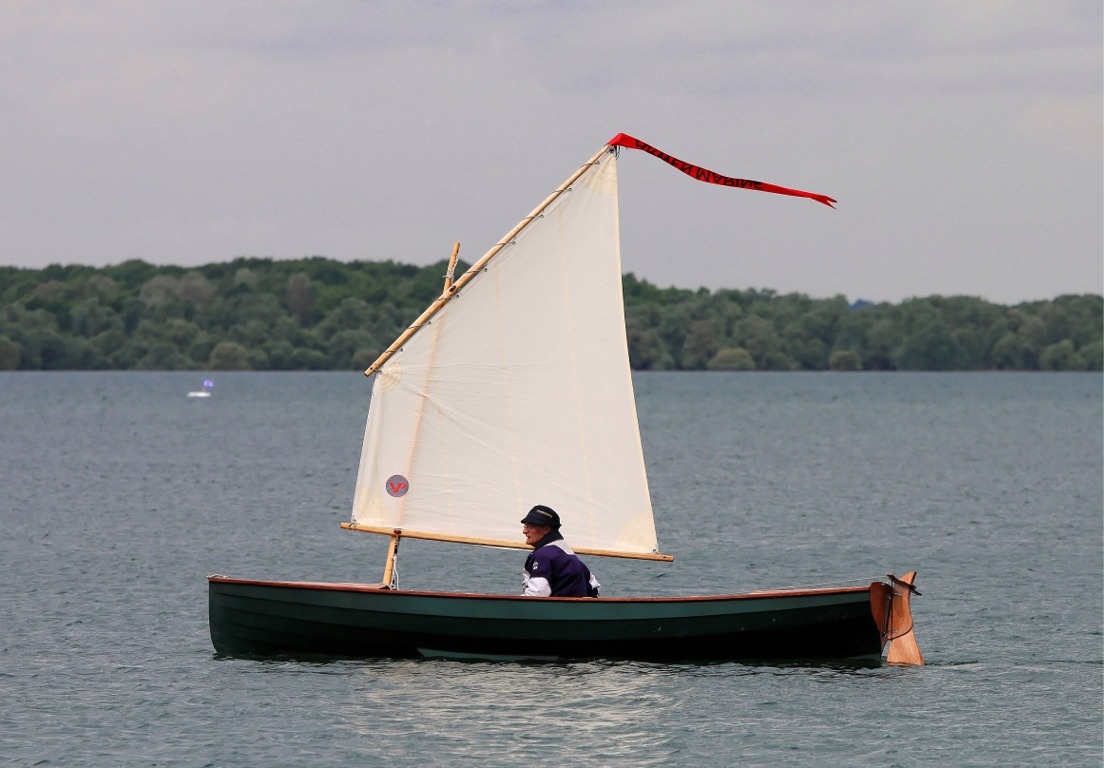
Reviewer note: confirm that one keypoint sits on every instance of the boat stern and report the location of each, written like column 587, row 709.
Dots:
column 889, row 602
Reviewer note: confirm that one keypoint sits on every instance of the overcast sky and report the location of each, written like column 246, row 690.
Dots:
column 963, row 140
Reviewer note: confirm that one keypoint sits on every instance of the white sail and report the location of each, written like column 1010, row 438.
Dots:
column 518, row 392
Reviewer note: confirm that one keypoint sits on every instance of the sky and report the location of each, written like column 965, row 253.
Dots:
column 963, row 140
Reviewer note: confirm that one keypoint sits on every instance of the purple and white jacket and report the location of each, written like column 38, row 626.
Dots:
column 553, row 570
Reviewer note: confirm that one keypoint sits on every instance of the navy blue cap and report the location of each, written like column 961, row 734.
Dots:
column 542, row 515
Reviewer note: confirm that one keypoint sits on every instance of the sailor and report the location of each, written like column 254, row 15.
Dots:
column 552, row 569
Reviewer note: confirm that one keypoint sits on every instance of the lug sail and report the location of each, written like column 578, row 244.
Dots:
column 518, row 392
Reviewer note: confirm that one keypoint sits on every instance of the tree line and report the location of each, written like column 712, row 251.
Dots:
column 321, row 314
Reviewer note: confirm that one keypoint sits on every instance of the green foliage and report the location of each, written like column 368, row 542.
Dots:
column 10, row 354
column 230, row 356
column 844, row 360
column 319, row 314
column 732, row 359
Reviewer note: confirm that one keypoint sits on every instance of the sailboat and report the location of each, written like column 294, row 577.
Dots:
column 514, row 388
column 208, row 386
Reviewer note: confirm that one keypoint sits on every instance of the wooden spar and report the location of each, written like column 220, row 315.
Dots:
column 475, row 269
column 389, row 575
column 505, row 543
column 451, row 269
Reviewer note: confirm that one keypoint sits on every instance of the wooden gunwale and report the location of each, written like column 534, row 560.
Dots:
column 382, row 590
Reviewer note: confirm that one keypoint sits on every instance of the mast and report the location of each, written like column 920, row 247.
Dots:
column 451, row 268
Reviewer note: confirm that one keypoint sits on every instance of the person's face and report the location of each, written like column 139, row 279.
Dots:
column 534, row 533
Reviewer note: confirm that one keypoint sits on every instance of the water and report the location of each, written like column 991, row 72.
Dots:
column 120, row 495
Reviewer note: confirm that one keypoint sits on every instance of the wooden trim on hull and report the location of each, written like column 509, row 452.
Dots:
column 356, row 620
column 331, row 586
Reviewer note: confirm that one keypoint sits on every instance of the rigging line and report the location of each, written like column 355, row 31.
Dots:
column 824, row 585
column 899, row 635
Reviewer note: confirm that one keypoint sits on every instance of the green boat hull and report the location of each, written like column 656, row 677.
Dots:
column 348, row 620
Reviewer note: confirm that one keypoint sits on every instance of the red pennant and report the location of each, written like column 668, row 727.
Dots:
column 711, row 177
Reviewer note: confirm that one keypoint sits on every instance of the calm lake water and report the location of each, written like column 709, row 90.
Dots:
column 119, row 495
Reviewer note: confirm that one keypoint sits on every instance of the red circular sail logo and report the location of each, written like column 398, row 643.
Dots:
column 397, row 486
